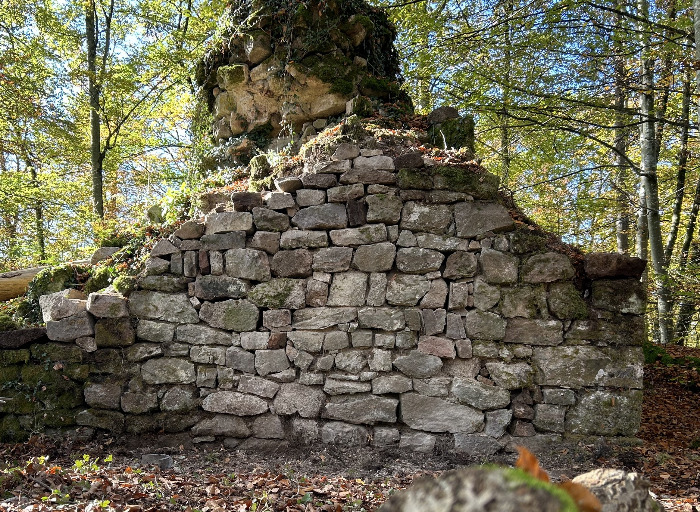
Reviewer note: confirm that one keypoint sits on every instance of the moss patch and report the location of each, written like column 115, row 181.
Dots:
column 459, row 179
column 521, row 477
column 414, row 179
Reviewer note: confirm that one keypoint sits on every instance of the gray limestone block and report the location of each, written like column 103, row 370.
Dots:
column 139, row 403
column 175, row 308
column 351, row 361
column 232, row 315
column 441, row 242
column 361, row 409
column 383, row 208
column 391, row 384
column 601, row 265
column 332, row 259
column 324, row 216
column 277, row 318
column 479, row 395
column 534, row 332
column 370, row 234
column 316, row 293
column 156, row 266
column 190, row 230
column 436, row 415
column 376, row 295
column 426, row 218
column 455, row 327
column 459, row 295
column 434, row 386
column 498, row 267
column 219, row 287
column 163, row 247
column 335, row 340
column 318, row 181
column 208, row 355
column 474, row 218
column 247, row 264
column 345, row 193
column 112, row 421
column 168, row 370
column 484, row 325
column 385, row 436
column 374, row 258
column 107, row 305
column 295, row 398
column 620, row 296
column 305, row 431
column 433, row 321
column 374, row 163
column 565, row 302
column 406, row 289
column 415, row 260
column 227, row 222
column 385, row 319
column 71, row 328
column 417, row 442
column 476, row 445
column 140, row 351
column 436, row 296
column 459, row 265
column 310, row 197
column 270, row 220
column 380, row 360
column 222, row 425
column 337, row 432
column 606, row 413
column 362, row 338
column 282, row 200
column 180, row 398
column 348, row 289
column 103, row 395
column 322, row 318
column 240, row 359
column 270, row 361
column 579, row 366
column 224, row 241
column 232, row 402
column 497, row 422
column 268, row 426
column 334, row 386
column 418, row 365
column 279, row 293
column 558, row 396
column 254, row 340
column 510, row 376
column 546, row 268
column 201, row 334
column 60, row 305
column 549, row 418
column 308, row 341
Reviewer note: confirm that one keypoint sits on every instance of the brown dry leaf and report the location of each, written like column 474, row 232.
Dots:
column 529, row 463
column 585, row 500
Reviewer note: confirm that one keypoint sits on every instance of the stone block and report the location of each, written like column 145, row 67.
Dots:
column 332, row 259
column 601, row 265
column 417, row 442
column 484, row 325
column 180, row 398
column 534, row 332
column 224, row 241
column 295, row 398
column 316, row 293
column 222, row 425
column 232, row 315
column 227, row 222
column 253, row 385
column 190, row 230
column 277, row 318
column 497, row 422
column 498, row 267
column 114, row 332
column 364, row 409
column 322, row 318
column 345, row 193
column 107, row 305
column 71, row 328
column 240, row 359
column 441, row 242
column 348, row 289
column 433, row 321
column 436, row 415
column 324, row 216
column 459, row 265
column 175, row 308
column 476, row 445
column 383, row 208
column 247, row 264
column 370, row 234
column 626, row 296
column 385, row 319
column 426, row 218
column 606, row 413
column 415, row 260
column 139, row 403
column 546, row 268
column 336, row 432
column 474, row 218
column 167, row 370
column 279, row 293
column 270, row 220
column 549, row 418
column 376, row 295
column 557, row 396
column 437, row 346
column 459, row 296
column 208, row 355
column 219, row 287
column 510, row 376
column 374, row 258
column 112, row 421
column 335, row 340
column 270, row 361
column 334, row 386
column 262, row 240
column 418, row 365
column 351, row 361
column 103, row 395
column 565, row 302
column 525, row 302
column 310, row 197
column 391, row 384
column 281, row 200
column 232, row 402
column 479, row 395
column 308, row 341
column 406, row 289
column 202, row 335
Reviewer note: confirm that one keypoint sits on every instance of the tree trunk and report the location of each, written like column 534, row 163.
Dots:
column 680, row 177
column 39, row 218
column 687, row 306
column 650, row 181
column 91, row 31
column 622, row 223
column 505, row 105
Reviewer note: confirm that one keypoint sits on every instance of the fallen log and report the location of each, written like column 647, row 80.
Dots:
column 14, row 283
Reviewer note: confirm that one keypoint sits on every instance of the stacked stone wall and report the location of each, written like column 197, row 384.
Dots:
column 378, row 300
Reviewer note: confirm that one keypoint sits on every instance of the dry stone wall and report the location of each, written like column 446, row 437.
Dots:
column 378, row 301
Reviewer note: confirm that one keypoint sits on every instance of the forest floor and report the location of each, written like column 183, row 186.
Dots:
column 106, row 474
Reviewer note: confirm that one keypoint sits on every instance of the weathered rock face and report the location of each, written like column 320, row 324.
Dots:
column 429, row 324
column 282, row 64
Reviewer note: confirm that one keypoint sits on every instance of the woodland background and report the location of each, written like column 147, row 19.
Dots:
column 586, row 109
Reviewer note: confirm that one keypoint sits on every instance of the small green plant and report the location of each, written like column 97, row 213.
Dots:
column 88, row 465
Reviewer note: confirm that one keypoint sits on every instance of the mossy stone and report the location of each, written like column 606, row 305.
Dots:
column 50, row 280
column 279, row 293
column 566, row 303
column 518, row 475
column 124, row 284
column 523, row 242
column 11, row 430
column 100, row 278
column 10, row 357
column 454, row 133
column 64, row 352
column 231, row 75
column 69, row 400
column 458, row 179
column 6, row 323
column 414, row 179
column 79, row 372
column 20, row 402
column 59, row 418
column 9, row 374
column 114, row 332
column 260, row 185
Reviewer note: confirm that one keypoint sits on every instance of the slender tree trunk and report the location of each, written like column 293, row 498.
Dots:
column 505, row 105
column 39, row 218
column 91, row 31
column 687, row 307
column 680, row 177
column 622, row 223
column 650, row 183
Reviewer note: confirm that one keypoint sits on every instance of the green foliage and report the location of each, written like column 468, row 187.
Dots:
column 100, row 278
column 7, row 323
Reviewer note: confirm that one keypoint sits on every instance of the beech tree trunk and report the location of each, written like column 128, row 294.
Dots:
column 91, row 31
